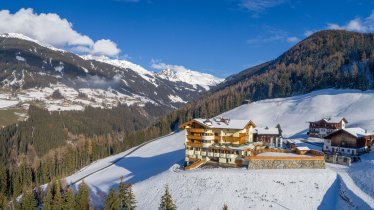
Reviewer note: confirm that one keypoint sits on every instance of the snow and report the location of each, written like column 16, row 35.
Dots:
column 303, row 148
column 191, row 77
column 20, row 58
column 358, row 132
column 267, row 131
column 158, row 163
column 176, row 99
column 294, row 113
column 144, row 73
column 7, row 103
column 95, row 97
column 217, row 123
column 24, row 37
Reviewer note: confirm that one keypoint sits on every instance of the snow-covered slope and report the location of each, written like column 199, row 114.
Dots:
column 157, row 164
column 191, row 77
column 23, row 37
column 294, row 113
column 181, row 74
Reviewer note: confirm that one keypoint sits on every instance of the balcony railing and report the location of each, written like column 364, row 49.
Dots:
column 231, row 138
column 222, row 155
column 194, row 137
column 193, row 144
column 197, row 130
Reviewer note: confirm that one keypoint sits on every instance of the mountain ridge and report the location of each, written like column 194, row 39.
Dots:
column 28, row 63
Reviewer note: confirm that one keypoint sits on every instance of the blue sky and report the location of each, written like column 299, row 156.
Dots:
column 221, row 37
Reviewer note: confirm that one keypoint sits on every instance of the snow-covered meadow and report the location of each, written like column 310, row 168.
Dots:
column 158, row 163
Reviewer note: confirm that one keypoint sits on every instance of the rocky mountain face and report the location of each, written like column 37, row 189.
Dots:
column 35, row 70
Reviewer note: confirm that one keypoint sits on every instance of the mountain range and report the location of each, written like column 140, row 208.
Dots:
column 34, row 70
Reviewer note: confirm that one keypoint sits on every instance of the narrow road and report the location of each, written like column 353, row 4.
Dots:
column 118, row 159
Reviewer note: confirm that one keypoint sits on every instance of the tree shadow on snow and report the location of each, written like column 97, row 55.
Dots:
column 142, row 168
column 339, row 196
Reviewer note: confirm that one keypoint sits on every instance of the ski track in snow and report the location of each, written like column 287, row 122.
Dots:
column 156, row 164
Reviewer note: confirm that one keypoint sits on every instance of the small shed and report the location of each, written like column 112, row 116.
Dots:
column 302, row 150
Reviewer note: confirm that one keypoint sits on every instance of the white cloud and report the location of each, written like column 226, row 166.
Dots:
column 54, row 30
column 260, row 5
column 162, row 66
column 292, row 39
column 357, row 24
column 105, row 47
column 271, row 34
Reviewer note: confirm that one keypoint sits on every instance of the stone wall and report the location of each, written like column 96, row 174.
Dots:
column 285, row 163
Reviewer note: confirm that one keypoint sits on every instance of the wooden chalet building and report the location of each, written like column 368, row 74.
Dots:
column 349, row 141
column 269, row 137
column 218, row 139
column 325, row 126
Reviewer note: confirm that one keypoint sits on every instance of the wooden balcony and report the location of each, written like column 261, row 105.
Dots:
column 194, row 144
column 231, row 138
column 197, row 130
column 194, row 137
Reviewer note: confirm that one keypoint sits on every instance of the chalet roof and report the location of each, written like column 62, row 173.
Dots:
column 356, row 132
column 333, row 120
column 223, row 123
column 267, row 131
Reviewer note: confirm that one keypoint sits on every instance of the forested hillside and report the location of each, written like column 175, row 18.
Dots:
column 326, row 59
column 53, row 145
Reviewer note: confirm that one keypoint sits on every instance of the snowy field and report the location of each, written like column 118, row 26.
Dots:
column 294, row 113
column 156, row 164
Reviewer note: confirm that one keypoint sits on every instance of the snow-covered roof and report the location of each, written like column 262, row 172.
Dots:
column 223, row 123
column 267, row 131
column 333, row 119
column 303, row 148
column 356, row 132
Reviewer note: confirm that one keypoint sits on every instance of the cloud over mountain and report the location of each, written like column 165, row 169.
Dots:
column 54, row 30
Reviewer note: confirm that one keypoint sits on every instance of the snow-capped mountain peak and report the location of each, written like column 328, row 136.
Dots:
column 24, row 37
column 120, row 64
column 181, row 74
column 174, row 74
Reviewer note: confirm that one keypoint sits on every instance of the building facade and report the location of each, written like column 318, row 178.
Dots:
column 219, row 139
column 269, row 137
column 348, row 141
column 325, row 126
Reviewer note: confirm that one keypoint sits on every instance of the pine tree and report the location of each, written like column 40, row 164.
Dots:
column 113, row 201
column 130, row 202
column 126, row 196
column 82, row 199
column 3, row 201
column 57, row 202
column 167, row 201
column 69, row 199
column 28, row 201
column 48, row 198
column 122, row 193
